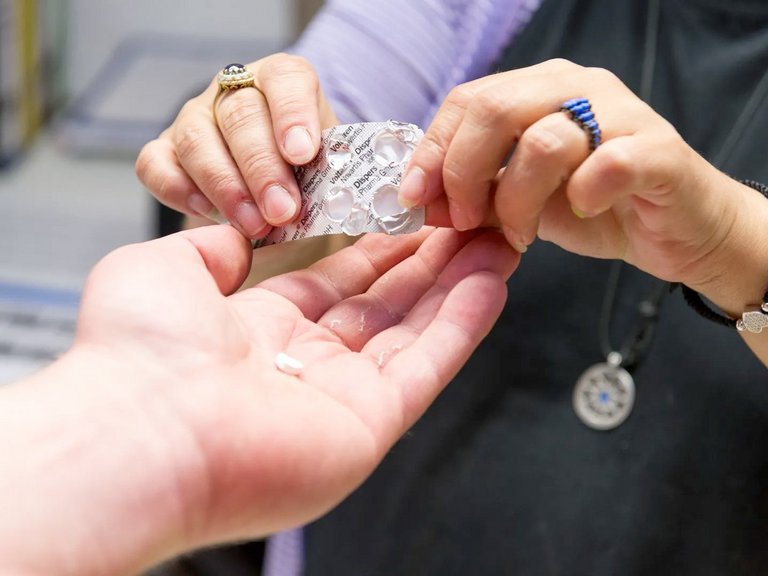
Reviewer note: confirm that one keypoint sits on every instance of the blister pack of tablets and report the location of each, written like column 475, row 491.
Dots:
column 352, row 184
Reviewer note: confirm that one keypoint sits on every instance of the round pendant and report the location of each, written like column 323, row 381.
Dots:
column 604, row 396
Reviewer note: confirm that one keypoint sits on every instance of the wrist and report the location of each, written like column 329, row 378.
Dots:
column 90, row 476
column 735, row 274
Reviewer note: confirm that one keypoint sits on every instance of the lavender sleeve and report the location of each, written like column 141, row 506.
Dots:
column 398, row 59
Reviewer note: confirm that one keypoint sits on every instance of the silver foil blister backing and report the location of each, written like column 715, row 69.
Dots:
column 352, row 184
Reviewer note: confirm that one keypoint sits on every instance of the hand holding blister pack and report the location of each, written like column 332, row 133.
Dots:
column 351, row 186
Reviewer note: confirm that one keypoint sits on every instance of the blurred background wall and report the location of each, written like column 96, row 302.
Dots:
column 83, row 84
column 53, row 52
column 98, row 26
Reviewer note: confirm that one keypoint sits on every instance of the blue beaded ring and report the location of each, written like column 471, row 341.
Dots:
column 580, row 111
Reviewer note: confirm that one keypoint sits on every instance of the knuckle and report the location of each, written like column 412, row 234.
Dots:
column 189, row 140
column 439, row 135
column 292, row 86
column 144, row 162
column 300, row 64
column 237, row 115
column 560, row 64
column 542, row 141
column 615, row 164
column 678, row 154
column 188, row 108
column 602, row 75
column 454, row 177
column 287, row 65
column 292, row 107
column 460, row 96
column 490, row 105
column 224, row 186
column 167, row 188
column 434, row 144
column 257, row 165
column 166, row 185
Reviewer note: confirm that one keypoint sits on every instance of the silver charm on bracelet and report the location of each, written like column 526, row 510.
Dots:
column 753, row 320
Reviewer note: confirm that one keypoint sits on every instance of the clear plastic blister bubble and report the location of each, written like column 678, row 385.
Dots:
column 354, row 224
column 385, row 202
column 338, row 153
column 389, row 150
column 351, row 186
column 405, row 131
column 391, row 216
column 338, row 203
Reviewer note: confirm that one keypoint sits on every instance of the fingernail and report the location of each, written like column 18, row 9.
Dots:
column 298, row 145
column 201, row 206
column 515, row 241
column 459, row 218
column 579, row 213
column 279, row 206
column 249, row 218
column 413, row 187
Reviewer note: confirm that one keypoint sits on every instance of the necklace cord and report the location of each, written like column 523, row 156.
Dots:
column 650, row 50
column 637, row 344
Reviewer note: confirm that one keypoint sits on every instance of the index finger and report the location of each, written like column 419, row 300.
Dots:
column 462, row 153
column 422, row 180
column 293, row 95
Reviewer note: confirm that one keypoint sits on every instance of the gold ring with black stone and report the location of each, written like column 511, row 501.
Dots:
column 232, row 77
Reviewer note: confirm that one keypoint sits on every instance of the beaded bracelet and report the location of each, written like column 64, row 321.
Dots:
column 754, row 319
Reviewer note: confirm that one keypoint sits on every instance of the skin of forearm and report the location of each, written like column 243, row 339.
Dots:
column 88, row 484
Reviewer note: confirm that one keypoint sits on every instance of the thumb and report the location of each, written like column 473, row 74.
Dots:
column 225, row 253
column 166, row 268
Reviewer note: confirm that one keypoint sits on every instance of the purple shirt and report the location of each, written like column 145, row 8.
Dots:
column 380, row 59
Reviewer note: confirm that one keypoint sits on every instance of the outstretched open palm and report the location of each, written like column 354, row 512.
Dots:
column 379, row 329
